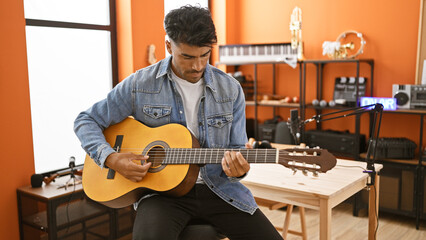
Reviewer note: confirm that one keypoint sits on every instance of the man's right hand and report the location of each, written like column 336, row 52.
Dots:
column 124, row 164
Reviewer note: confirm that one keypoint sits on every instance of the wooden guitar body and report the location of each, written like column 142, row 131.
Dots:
column 118, row 192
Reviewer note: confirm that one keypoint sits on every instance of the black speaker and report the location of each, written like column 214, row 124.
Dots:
column 250, row 127
column 282, row 134
column 36, row 180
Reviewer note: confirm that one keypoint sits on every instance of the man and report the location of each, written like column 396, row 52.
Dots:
column 184, row 89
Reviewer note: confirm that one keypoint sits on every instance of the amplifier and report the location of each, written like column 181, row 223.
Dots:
column 267, row 131
column 335, row 141
column 409, row 96
column 257, row 53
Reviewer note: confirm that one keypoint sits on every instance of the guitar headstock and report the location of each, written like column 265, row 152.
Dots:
column 307, row 160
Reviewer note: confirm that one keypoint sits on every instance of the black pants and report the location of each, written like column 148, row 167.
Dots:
column 161, row 217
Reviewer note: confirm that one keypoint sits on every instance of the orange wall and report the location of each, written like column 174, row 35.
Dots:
column 389, row 27
column 124, row 38
column 139, row 24
column 16, row 149
column 147, row 26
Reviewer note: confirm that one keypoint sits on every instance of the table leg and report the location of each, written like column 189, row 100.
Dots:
column 325, row 219
column 373, row 208
column 51, row 220
column 287, row 220
column 303, row 223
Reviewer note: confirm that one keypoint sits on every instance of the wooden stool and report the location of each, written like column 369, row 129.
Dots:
column 272, row 205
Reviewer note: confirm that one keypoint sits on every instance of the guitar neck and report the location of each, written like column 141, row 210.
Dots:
column 215, row 155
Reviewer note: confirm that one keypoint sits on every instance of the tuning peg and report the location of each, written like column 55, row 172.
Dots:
column 315, row 173
column 305, row 172
column 305, row 153
column 314, row 154
column 294, row 170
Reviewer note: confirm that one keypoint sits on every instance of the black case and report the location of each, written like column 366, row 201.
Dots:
column 334, row 141
column 401, row 148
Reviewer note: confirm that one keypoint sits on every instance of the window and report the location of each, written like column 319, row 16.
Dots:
column 71, row 49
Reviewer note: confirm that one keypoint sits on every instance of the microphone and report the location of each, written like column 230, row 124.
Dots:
column 294, row 124
column 72, row 162
column 72, row 175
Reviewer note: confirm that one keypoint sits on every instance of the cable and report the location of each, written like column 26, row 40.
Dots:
column 351, row 167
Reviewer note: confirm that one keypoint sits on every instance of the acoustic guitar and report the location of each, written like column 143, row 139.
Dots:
column 176, row 159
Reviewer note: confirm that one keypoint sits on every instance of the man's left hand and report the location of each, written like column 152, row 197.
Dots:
column 234, row 164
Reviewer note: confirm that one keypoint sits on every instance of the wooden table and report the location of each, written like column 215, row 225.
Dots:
column 277, row 183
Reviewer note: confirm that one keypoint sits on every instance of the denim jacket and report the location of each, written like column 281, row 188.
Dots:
column 151, row 97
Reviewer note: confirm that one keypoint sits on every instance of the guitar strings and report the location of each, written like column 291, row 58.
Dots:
column 188, row 160
column 217, row 160
column 310, row 167
column 184, row 156
column 210, row 152
column 249, row 151
column 181, row 156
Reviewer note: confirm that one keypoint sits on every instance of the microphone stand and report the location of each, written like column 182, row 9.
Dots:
column 72, row 175
column 376, row 110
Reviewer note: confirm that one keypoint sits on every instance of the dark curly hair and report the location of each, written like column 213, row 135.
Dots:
column 191, row 25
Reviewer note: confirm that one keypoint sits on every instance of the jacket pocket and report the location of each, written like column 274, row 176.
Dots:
column 219, row 121
column 219, row 127
column 156, row 115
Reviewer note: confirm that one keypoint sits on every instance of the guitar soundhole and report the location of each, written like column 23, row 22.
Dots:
column 156, row 157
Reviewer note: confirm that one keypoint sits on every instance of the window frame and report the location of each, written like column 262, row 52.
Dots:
column 112, row 28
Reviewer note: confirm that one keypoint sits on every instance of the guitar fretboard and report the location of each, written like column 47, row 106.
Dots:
column 215, row 155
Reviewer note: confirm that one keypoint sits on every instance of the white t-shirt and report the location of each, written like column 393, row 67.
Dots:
column 191, row 94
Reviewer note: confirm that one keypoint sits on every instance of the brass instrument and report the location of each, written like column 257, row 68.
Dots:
column 342, row 50
column 296, row 32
